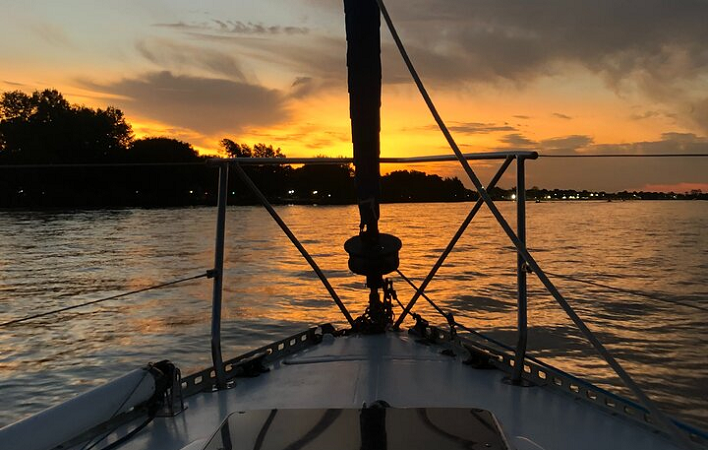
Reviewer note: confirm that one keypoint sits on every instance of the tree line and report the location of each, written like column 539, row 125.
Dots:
column 46, row 144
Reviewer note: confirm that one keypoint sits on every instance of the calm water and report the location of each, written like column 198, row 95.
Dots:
column 54, row 259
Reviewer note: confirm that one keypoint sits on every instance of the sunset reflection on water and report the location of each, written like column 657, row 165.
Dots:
column 54, row 259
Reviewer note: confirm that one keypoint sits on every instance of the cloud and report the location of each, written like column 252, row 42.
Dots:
column 512, row 38
column 699, row 114
column 517, row 140
column 470, row 128
column 671, row 143
column 321, row 59
column 170, row 55
column 653, row 47
column 646, row 115
column 207, row 105
column 609, row 174
column 566, row 144
column 235, row 27
column 302, row 87
column 561, row 116
column 478, row 128
column 13, row 83
column 650, row 45
column 52, row 34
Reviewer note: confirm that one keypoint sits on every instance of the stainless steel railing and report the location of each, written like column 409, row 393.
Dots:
column 525, row 261
column 507, row 156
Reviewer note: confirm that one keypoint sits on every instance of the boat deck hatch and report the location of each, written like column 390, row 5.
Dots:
column 359, row 429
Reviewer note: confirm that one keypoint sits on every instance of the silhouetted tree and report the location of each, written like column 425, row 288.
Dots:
column 267, row 151
column 45, row 128
column 260, row 150
column 235, row 150
column 322, row 183
column 161, row 149
column 270, row 178
column 415, row 186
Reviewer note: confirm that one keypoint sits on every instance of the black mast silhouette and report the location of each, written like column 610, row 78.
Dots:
column 370, row 253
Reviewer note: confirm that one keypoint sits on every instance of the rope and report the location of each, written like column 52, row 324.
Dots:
column 630, row 291
column 130, row 394
column 207, row 274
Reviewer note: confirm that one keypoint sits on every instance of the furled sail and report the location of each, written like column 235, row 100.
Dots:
column 363, row 23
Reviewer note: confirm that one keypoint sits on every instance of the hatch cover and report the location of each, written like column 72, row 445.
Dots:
column 374, row 428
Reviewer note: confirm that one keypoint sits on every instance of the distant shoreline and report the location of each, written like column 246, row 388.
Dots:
column 58, row 208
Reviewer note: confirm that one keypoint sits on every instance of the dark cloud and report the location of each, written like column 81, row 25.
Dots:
column 172, row 55
column 517, row 140
column 615, row 174
column 52, row 34
column 319, row 59
column 478, row 128
column 566, row 144
column 669, row 143
column 235, row 27
column 699, row 114
column 471, row 127
column 608, row 174
column 561, row 116
column 522, row 117
column 655, row 46
column 302, row 87
column 513, row 38
column 206, row 105
column 672, row 142
column 646, row 115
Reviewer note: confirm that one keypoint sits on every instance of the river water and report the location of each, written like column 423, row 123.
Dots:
column 51, row 259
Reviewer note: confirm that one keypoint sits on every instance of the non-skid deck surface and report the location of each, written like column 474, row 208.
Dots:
column 346, row 372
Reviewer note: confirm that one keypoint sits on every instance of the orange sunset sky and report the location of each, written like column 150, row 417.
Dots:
column 556, row 76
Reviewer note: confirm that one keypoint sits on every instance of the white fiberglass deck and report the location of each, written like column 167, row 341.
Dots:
column 346, row 372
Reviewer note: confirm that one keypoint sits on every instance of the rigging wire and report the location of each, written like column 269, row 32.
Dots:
column 207, row 274
column 629, row 291
column 432, row 303
column 482, row 335
column 663, row 421
column 296, row 242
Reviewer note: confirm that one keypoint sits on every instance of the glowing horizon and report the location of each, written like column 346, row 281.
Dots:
column 503, row 77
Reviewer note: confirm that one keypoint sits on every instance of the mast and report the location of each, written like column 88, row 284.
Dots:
column 363, row 25
column 371, row 253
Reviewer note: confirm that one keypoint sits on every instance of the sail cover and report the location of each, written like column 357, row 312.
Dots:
column 363, row 23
